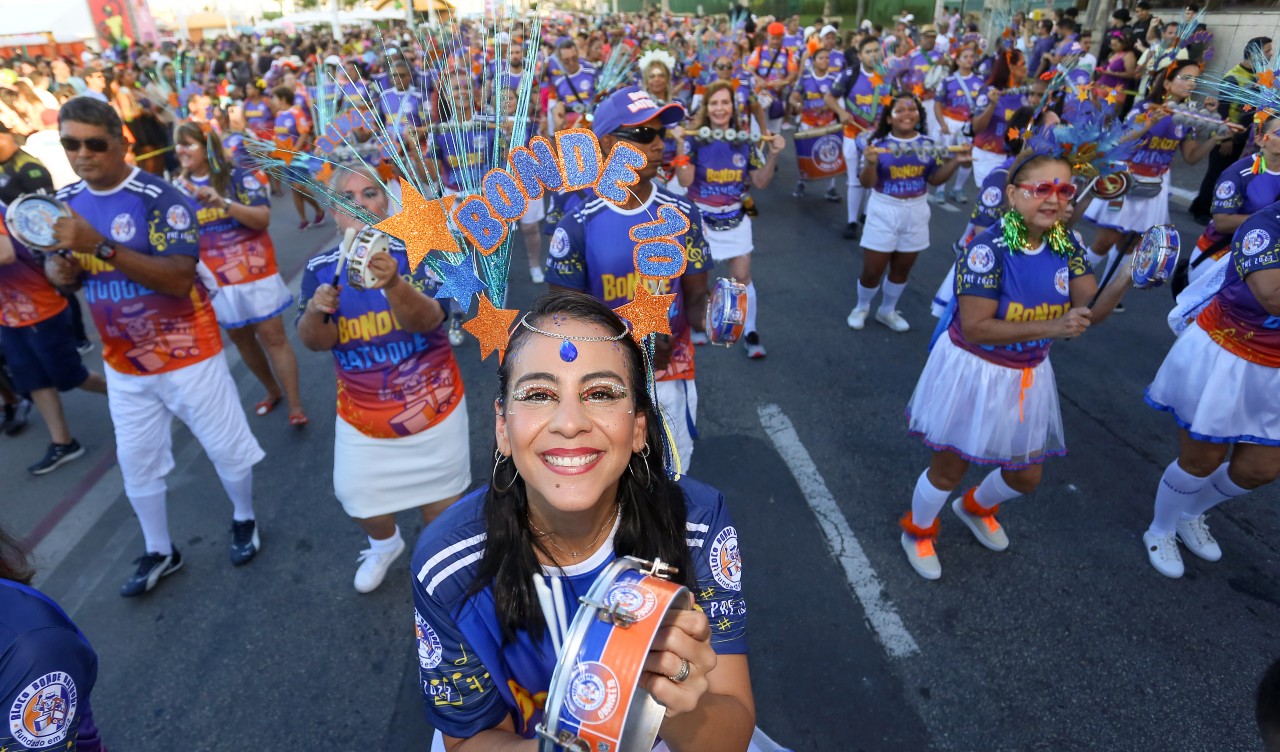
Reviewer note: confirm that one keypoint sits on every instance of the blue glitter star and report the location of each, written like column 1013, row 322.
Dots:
column 460, row 282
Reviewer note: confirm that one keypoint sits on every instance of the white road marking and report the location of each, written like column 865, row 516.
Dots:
column 843, row 544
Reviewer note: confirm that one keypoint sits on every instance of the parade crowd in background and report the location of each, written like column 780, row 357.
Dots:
column 169, row 155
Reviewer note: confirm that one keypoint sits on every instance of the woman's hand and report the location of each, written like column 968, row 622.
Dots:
column 965, row 155
column 871, row 155
column 777, row 142
column 207, row 196
column 1074, row 323
column 324, row 301
column 385, row 270
column 684, row 635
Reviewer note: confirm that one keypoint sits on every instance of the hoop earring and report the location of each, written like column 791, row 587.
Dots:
column 498, row 459
column 644, row 462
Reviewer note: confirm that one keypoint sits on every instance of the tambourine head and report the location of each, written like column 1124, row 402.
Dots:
column 726, row 312
column 1112, row 186
column 704, row 132
column 366, row 244
column 717, row 133
column 1156, row 257
column 730, row 134
column 30, row 220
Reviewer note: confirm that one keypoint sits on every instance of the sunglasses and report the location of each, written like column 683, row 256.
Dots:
column 73, row 145
column 640, row 134
column 1044, row 189
column 724, row 67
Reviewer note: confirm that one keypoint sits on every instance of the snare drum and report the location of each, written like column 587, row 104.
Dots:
column 595, row 701
column 1156, row 257
column 30, row 220
column 367, row 243
column 726, row 312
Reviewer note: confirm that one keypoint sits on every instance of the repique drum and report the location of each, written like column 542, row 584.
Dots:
column 1156, row 257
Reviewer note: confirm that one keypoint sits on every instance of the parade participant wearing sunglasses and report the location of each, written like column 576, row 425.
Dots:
column 987, row 394
column 592, row 251
column 135, row 243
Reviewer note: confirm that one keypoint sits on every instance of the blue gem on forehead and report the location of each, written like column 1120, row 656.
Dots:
column 568, row 353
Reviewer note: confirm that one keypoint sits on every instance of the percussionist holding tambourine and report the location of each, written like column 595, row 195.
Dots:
column 578, row 482
column 400, row 438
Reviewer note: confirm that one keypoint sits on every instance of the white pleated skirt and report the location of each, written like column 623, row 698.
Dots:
column 984, row 412
column 1135, row 214
column 252, row 302
column 1216, row 395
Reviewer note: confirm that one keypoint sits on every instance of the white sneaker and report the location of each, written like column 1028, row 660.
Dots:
column 1195, row 535
column 937, row 198
column 893, row 320
column 921, row 555
column 957, row 196
column 858, row 318
column 1163, row 552
column 535, row 273
column 988, row 532
column 374, row 566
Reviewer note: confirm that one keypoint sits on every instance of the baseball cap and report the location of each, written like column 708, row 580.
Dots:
column 929, row 29
column 333, row 60
column 776, row 29
column 631, row 106
column 828, row 29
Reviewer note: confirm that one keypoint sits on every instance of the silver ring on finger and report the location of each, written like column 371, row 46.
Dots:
column 684, row 671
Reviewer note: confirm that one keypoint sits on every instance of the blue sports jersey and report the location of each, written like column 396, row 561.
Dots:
column 471, row 681
column 401, row 109
column 1240, row 191
column 990, row 205
column 47, row 670
column 592, row 251
column 905, row 175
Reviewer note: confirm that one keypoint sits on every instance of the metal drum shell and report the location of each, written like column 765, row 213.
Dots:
column 1156, row 257
column 726, row 312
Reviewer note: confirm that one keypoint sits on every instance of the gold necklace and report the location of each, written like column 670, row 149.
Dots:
column 591, row 545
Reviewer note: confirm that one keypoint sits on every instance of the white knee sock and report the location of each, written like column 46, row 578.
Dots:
column 892, row 291
column 865, row 296
column 749, row 325
column 926, row 502
column 832, row 187
column 149, row 504
column 386, row 545
column 993, row 490
column 855, row 202
column 1219, row 488
column 1177, row 492
column 962, row 177
column 240, row 491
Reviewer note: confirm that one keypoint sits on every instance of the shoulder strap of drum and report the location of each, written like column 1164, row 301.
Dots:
column 1218, row 245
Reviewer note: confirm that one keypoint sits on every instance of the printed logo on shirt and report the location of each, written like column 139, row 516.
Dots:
column 42, row 713
column 726, row 559
column 4, row 180
column 982, row 259
column 1225, row 190
column 1255, row 241
column 991, row 196
column 559, row 244
column 1060, row 281
column 123, row 228
column 633, row 598
column 592, row 696
column 739, row 160
column 178, row 217
column 430, row 652
column 251, row 182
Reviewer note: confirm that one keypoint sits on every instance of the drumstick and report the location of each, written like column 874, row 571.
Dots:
column 343, row 249
column 557, row 597
column 548, row 611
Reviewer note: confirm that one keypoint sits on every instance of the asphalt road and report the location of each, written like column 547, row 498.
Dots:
column 1068, row 640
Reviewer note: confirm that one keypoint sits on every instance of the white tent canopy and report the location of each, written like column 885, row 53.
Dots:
column 346, row 17
column 68, row 20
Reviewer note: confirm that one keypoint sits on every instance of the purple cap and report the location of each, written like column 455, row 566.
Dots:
column 631, row 106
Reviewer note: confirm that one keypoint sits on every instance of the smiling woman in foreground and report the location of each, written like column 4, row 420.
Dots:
column 577, row 482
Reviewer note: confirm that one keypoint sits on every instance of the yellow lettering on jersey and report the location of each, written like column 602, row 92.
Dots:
column 1163, row 144
column 727, row 175
column 624, row 288
column 905, row 171
column 1042, row 312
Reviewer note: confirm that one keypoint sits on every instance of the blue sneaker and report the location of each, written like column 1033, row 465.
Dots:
column 151, row 567
column 244, row 541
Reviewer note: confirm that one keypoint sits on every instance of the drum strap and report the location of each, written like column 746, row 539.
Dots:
column 1210, row 252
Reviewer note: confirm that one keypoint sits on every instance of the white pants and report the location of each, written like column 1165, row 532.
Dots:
column 983, row 163
column 678, row 399
column 932, row 128
column 852, row 148
column 203, row 396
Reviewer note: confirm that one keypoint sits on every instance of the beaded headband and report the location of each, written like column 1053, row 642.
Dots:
column 568, row 351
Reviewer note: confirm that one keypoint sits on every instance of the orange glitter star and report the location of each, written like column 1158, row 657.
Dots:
column 647, row 313
column 875, row 79
column 423, row 225
column 1013, row 133
column 886, row 100
column 492, row 326
column 918, row 90
column 1266, row 78
column 1111, row 97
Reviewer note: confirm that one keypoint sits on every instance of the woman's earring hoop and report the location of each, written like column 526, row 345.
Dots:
column 498, row 459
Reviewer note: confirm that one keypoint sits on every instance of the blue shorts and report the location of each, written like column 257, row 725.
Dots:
column 43, row 355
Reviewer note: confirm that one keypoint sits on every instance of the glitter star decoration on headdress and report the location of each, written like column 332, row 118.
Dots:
column 422, row 225
column 647, row 313
column 492, row 326
column 460, row 282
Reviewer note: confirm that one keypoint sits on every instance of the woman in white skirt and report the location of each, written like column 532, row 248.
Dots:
column 987, row 394
column 1122, row 221
column 1220, row 381
column 237, row 254
column 953, row 105
column 897, row 226
column 718, row 173
column 400, row 438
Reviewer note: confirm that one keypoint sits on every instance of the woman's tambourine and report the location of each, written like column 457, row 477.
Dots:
column 1113, row 186
column 726, row 312
column 595, row 701
column 1156, row 257
column 30, row 220
column 367, row 244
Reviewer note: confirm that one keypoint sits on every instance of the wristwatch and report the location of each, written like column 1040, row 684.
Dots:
column 104, row 250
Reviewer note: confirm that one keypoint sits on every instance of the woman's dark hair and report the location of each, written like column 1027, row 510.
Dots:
column 1160, row 84
column 14, row 565
column 1001, row 73
column 89, row 111
column 219, row 168
column 652, row 515
column 1126, row 41
column 1018, row 123
column 884, row 127
column 285, row 93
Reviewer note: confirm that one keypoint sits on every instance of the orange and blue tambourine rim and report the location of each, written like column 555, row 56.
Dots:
column 727, row 312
